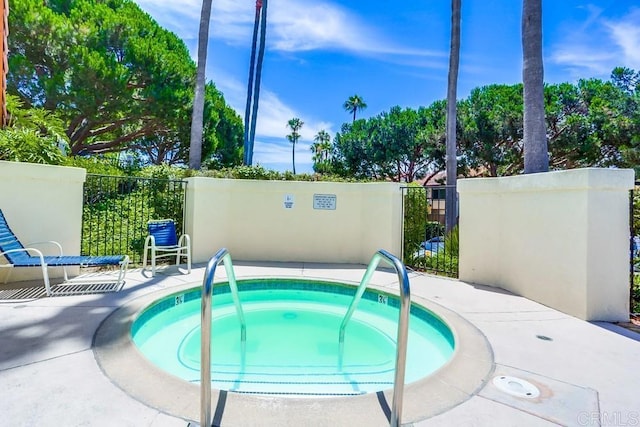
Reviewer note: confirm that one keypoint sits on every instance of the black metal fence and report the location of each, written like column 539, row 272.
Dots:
column 116, row 211
column 427, row 245
column 634, row 249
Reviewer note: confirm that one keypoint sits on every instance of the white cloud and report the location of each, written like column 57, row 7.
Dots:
column 232, row 20
column 626, row 35
column 581, row 59
column 273, row 113
column 600, row 44
column 306, row 25
column 270, row 152
column 273, row 116
column 182, row 17
column 292, row 26
column 271, row 146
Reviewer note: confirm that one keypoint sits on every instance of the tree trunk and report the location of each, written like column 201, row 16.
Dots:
column 247, row 111
column 451, row 209
column 256, row 90
column 536, row 156
column 293, row 155
column 195, row 146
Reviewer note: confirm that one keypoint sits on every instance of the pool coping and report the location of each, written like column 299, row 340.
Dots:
column 468, row 370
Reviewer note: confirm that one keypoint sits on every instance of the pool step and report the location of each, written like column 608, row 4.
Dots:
column 307, row 384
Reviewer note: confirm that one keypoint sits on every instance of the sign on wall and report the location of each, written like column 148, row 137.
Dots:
column 324, row 201
column 289, row 201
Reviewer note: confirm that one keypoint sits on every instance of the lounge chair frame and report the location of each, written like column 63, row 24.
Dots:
column 180, row 248
column 35, row 258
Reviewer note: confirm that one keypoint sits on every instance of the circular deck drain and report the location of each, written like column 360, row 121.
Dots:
column 516, row 386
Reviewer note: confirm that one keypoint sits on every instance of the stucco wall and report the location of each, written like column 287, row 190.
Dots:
column 41, row 203
column 559, row 238
column 251, row 220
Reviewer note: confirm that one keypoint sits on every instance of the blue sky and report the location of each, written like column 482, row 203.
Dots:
column 318, row 53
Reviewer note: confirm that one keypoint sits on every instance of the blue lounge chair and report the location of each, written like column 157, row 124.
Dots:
column 19, row 256
column 163, row 241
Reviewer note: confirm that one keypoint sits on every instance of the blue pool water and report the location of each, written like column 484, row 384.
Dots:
column 292, row 339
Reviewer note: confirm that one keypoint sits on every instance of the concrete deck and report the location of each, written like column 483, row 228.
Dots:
column 588, row 374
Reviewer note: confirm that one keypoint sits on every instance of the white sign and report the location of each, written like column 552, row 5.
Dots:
column 289, row 200
column 324, row 201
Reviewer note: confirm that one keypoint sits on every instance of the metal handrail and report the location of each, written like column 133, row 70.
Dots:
column 205, row 321
column 403, row 324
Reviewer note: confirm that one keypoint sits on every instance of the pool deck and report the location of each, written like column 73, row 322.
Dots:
column 588, row 373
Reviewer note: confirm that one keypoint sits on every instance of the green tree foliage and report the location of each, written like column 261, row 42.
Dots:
column 492, row 129
column 585, row 126
column 401, row 145
column 432, row 137
column 353, row 155
column 590, row 123
column 628, row 81
column 116, row 78
column 395, row 142
column 222, row 143
column 32, row 135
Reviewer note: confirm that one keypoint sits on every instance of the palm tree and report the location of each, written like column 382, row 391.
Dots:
column 325, row 147
column 452, row 161
column 323, row 142
column 353, row 104
column 195, row 144
column 321, row 149
column 536, row 156
column 247, row 110
column 294, row 124
column 256, row 89
column 317, row 152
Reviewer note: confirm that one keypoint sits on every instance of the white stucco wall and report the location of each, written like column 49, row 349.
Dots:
column 559, row 238
column 250, row 219
column 40, row 203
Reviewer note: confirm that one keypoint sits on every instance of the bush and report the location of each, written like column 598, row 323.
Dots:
column 260, row 173
column 452, row 242
column 96, row 165
column 442, row 263
column 28, row 145
column 163, row 172
column 116, row 211
column 418, row 229
column 32, row 135
column 415, row 220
